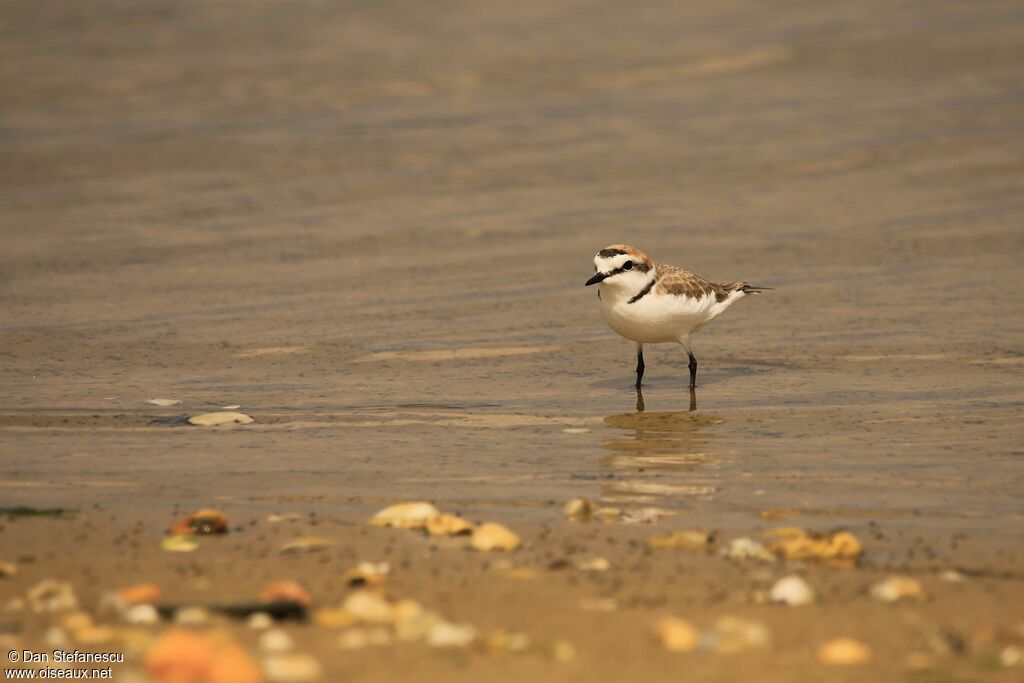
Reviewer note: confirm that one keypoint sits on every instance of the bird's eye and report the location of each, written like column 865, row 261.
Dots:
column 628, row 265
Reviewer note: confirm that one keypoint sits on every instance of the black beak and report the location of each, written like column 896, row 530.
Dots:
column 598, row 277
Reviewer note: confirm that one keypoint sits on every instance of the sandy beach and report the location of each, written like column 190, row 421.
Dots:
column 368, row 225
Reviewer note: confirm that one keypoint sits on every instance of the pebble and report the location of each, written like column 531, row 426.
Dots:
column 8, row 569
column 446, row 634
column 844, row 652
column 897, row 588
column 493, row 536
column 292, row 668
column 163, row 402
column 793, row 591
column 405, row 515
column 677, row 635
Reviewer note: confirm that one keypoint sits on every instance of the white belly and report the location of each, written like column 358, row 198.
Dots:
column 660, row 318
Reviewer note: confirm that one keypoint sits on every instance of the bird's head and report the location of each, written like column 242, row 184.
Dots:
column 621, row 265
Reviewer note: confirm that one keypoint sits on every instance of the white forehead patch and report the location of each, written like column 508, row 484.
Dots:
column 610, row 263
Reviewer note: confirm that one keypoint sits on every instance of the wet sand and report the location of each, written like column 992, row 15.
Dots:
column 369, row 226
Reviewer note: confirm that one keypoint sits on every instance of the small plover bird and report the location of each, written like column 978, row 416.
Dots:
column 654, row 303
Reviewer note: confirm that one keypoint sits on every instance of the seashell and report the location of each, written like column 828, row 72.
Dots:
column 793, row 591
column 734, row 634
column 897, row 588
column 221, row 417
column 689, row 539
column 191, row 616
column 677, row 635
column 231, row 664
column 445, row 634
column 275, row 640
column 202, row 523
column 307, row 544
column 493, row 536
column 797, row 544
column 369, row 607
column 292, row 668
column 747, row 549
column 285, row 591
column 367, row 574
column 448, row 525
column 179, row 655
column 333, row 617
column 844, row 652
column 139, row 594
column 578, row 510
column 179, row 544
column 405, row 515
column 596, row 564
column 50, row 595
column 142, row 615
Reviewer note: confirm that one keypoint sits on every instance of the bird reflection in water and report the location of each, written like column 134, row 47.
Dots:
column 640, row 400
column 662, row 452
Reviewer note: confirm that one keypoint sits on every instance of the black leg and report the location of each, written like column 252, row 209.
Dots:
column 639, row 365
column 693, row 370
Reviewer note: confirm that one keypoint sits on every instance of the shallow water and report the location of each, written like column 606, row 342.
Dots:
column 371, row 229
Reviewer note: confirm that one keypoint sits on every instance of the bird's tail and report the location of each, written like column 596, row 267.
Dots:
column 748, row 288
